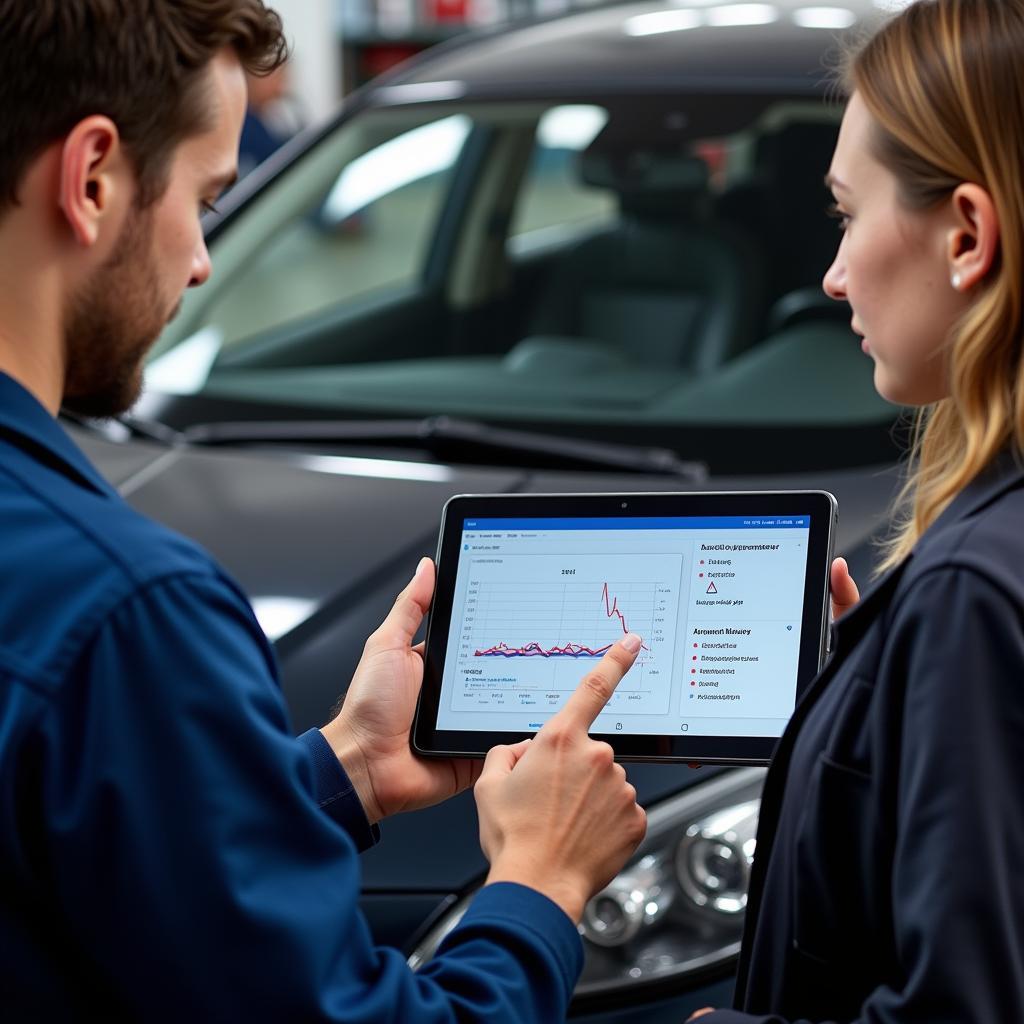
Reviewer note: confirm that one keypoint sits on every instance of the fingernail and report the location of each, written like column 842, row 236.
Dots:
column 422, row 565
column 632, row 642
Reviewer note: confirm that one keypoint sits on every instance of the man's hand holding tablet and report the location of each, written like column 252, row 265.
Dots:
column 370, row 733
column 556, row 812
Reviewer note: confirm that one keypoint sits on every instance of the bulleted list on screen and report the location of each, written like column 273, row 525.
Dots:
column 742, row 633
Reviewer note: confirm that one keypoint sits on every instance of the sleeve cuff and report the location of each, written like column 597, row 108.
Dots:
column 335, row 793
column 530, row 911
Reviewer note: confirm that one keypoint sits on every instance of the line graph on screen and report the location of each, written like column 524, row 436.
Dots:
column 533, row 649
column 525, row 626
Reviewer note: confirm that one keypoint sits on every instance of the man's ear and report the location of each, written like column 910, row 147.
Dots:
column 972, row 245
column 91, row 176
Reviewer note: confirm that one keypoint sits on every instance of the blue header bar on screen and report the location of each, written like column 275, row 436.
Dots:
column 644, row 523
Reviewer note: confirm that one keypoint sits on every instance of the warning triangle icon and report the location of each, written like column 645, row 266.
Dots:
column 712, row 589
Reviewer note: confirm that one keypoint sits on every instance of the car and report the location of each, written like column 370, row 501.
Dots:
column 580, row 254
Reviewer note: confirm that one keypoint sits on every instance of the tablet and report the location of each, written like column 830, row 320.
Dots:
column 728, row 590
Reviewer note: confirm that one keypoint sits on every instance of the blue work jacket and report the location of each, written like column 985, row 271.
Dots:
column 888, row 885
column 168, row 850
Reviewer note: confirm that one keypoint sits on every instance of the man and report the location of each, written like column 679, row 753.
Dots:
column 167, row 849
column 263, row 134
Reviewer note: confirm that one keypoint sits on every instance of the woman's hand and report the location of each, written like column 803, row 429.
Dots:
column 844, row 591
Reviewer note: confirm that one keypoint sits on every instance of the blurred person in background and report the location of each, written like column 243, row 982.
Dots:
column 271, row 118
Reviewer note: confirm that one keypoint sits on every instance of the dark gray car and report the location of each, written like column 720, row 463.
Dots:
column 580, row 255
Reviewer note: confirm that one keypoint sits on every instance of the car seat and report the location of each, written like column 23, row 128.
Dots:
column 664, row 287
column 782, row 205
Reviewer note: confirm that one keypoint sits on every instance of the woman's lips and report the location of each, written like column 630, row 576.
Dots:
column 860, row 334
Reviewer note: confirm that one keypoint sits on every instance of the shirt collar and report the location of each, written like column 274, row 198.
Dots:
column 22, row 415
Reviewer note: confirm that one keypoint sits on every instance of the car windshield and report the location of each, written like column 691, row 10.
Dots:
column 640, row 269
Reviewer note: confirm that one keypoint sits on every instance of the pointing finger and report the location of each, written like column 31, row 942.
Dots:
column 589, row 698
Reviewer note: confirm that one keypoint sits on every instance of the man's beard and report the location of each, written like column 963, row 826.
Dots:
column 111, row 324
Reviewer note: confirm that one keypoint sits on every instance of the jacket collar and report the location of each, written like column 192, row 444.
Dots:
column 1005, row 472
column 29, row 426
column 1002, row 474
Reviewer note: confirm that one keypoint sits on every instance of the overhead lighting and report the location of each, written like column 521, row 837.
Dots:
column 737, row 15
column 419, row 92
column 662, row 21
column 824, row 17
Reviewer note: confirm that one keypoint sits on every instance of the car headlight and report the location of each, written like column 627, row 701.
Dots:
column 676, row 909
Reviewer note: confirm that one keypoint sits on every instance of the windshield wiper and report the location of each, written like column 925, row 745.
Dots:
column 457, row 440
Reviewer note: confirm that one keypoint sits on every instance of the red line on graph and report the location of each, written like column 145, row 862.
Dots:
column 534, row 649
column 613, row 609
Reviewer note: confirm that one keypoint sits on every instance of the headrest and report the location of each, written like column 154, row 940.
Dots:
column 650, row 185
column 795, row 152
column 644, row 171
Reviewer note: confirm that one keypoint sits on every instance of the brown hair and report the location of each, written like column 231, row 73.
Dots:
column 943, row 85
column 139, row 62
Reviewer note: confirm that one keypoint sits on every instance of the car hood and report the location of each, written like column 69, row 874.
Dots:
column 323, row 543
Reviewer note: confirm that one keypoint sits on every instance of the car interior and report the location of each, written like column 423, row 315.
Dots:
column 679, row 274
column 667, row 285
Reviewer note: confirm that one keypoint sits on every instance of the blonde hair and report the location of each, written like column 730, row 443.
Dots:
column 942, row 83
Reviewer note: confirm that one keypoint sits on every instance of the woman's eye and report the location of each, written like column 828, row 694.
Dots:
column 836, row 213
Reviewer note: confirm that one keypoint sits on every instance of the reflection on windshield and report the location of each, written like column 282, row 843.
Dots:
column 574, row 126
column 412, row 156
column 635, row 270
column 185, row 369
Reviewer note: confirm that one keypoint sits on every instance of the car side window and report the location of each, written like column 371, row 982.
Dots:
column 555, row 203
column 369, row 233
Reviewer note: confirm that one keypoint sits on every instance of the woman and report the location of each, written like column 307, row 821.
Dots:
column 889, row 879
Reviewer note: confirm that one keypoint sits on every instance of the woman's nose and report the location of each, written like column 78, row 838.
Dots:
column 834, row 282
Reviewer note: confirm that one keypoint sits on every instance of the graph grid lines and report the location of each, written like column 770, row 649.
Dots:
column 571, row 649
column 528, row 625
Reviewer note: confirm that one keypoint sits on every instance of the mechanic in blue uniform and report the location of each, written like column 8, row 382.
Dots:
column 168, row 851
column 887, row 885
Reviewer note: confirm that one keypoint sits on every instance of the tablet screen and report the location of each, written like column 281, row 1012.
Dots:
column 718, row 600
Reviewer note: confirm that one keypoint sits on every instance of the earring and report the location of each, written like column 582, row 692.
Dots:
column 956, row 280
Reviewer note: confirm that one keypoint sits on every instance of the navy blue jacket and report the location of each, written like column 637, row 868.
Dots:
column 168, row 851
column 888, row 884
